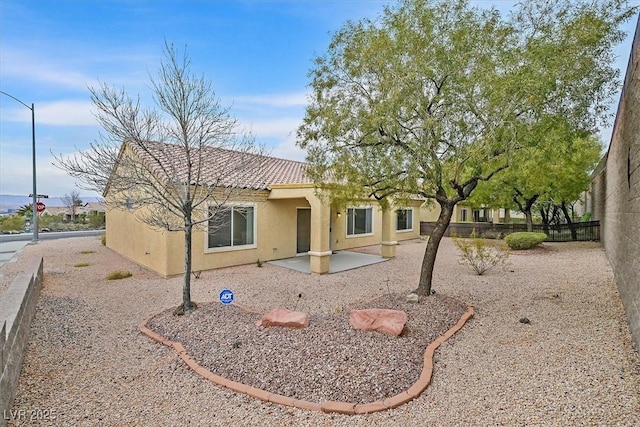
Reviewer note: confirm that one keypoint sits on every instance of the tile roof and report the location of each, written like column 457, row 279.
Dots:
column 222, row 167
column 94, row 206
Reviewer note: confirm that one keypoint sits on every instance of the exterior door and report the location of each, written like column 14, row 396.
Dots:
column 304, row 231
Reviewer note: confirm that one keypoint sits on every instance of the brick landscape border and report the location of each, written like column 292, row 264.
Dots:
column 347, row 408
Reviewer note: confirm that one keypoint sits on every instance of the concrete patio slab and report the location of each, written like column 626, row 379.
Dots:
column 339, row 261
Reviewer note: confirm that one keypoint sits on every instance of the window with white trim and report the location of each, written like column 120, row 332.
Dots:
column 463, row 215
column 359, row 221
column 404, row 220
column 231, row 226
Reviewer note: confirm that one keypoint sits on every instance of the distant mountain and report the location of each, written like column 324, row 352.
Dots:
column 10, row 203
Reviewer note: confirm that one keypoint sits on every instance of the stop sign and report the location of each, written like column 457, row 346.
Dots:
column 40, row 206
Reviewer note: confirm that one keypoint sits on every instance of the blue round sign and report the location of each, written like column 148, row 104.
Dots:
column 226, row 296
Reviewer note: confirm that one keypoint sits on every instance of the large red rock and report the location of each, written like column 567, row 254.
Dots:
column 285, row 318
column 390, row 322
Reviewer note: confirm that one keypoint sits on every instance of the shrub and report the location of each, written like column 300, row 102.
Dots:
column 12, row 223
column 480, row 256
column 524, row 240
column 119, row 274
column 103, row 240
column 87, row 252
column 82, row 264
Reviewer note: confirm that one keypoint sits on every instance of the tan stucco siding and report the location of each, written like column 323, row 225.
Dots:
column 339, row 229
column 136, row 241
column 275, row 234
column 429, row 212
column 275, row 238
column 414, row 233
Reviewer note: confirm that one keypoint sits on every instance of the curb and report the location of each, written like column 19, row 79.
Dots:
column 329, row 406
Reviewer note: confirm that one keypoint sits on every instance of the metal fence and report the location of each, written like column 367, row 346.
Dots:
column 584, row 231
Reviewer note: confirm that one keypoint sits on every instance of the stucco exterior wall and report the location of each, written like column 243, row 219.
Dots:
column 339, row 229
column 429, row 212
column 276, row 236
column 136, row 241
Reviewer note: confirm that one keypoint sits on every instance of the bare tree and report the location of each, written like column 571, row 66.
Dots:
column 72, row 201
column 175, row 165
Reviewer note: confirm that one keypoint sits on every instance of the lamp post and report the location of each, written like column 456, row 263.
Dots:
column 34, row 204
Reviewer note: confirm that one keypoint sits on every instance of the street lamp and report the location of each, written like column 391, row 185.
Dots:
column 34, row 205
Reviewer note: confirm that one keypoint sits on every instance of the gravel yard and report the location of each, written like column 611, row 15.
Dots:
column 333, row 361
column 573, row 364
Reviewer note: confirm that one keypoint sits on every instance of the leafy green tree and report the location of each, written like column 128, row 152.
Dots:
column 557, row 169
column 432, row 98
column 574, row 176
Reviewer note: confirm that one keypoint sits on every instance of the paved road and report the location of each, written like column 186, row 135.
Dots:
column 12, row 243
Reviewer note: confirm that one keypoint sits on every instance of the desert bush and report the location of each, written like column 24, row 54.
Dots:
column 524, row 240
column 118, row 274
column 103, row 240
column 82, row 264
column 12, row 223
column 480, row 256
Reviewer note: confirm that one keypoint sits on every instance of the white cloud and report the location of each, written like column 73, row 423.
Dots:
column 280, row 135
column 26, row 67
column 59, row 113
column 76, row 72
column 274, row 119
column 15, row 178
column 274, row 100
column 287, row 149
column 273, row 128
column 65, row 113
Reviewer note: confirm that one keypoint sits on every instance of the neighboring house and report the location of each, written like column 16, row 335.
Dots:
column 92, row 208
column 465, row 214
column 282, row 217
column 60, row 211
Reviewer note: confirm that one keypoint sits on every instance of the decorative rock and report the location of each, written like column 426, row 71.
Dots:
column 413, row 297
column 390, row 322
column 285, row 318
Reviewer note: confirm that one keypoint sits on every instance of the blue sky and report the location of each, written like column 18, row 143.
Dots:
column 256, row 53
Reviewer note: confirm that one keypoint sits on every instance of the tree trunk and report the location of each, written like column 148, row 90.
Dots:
column 567, row 217
column 544, row 213
column 187, row 305
column 526, row 207
column 429, row 260
column 529, row 219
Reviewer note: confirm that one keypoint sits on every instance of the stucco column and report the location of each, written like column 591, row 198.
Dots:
column 507, row 215
column 496, row 216
column 320, row 251
column 389, row 241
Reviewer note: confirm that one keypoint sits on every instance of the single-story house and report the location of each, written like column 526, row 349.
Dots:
column 90, row 208
column 93, row 208
column 465, row 214
column 61, row 211
column 282, row 216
